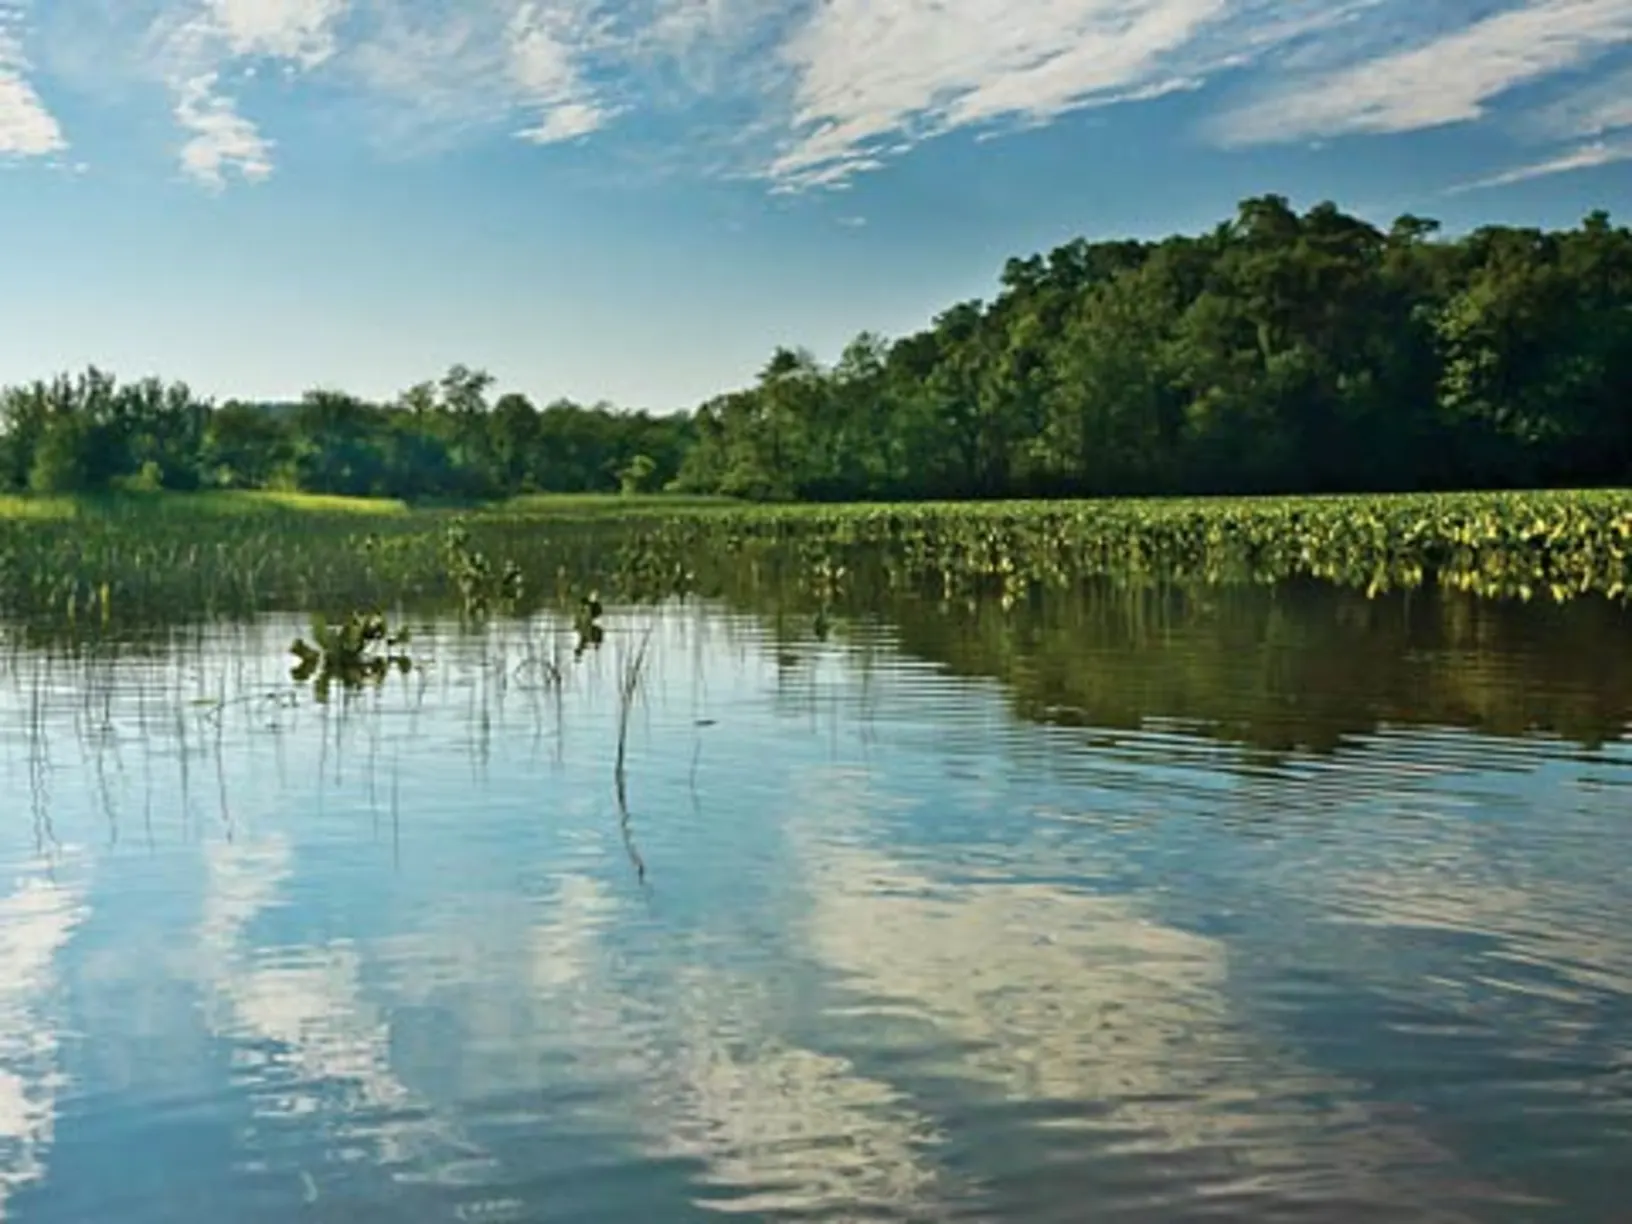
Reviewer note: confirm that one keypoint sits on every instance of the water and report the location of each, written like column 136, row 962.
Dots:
column 1272, row 905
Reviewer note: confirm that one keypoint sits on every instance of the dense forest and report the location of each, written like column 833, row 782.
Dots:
column 1278, row 352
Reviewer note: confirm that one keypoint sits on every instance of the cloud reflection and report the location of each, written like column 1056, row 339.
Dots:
column 310, row 1045
column 677, row 1059
column 1123, row 1031
column 36, row 922
column 786, row 1129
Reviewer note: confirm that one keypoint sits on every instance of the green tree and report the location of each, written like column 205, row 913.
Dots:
column 636, row 475
column 245, row 445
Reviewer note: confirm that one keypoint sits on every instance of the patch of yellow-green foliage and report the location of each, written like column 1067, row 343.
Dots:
column 147, row 557
column 13, row 507
column 258, row 501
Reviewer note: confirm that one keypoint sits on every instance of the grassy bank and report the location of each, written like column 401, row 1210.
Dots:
column 141, row 507
column 206, row 555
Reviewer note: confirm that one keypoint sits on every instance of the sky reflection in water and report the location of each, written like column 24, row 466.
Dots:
column 899, row 953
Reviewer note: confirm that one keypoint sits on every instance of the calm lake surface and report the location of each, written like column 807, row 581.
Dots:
column 1261, row 905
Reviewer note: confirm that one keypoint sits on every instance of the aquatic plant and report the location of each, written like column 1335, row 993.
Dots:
column 360, row 650
column 629, row 681
column 586, row 624
column 114, row 564
column 1497, row 545
column 482, row 585
column 630, row 677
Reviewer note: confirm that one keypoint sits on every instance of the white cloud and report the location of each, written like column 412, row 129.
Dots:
column 1448, row 79
column 222, row 139
column 543, row 45
column 301, row 31
column 198, row 41
column 27, row 128
column 807, row 94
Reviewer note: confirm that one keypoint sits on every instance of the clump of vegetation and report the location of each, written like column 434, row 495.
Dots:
column 482, row 585
column 586, row 623
column 359, row 650
column 1556, row 545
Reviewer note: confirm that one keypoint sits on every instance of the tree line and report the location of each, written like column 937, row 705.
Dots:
column 438, row 440
column 1279, row 352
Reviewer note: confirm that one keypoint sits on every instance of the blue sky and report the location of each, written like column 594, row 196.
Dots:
column 637, row 199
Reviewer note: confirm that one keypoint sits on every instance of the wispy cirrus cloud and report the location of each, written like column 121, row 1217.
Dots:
column 1584, row 128
column 27, row 128
column 443, row 69
column 805, row 94
column 870, row 80
column 1594, row 109
column 1585, row 157
column 542, row 47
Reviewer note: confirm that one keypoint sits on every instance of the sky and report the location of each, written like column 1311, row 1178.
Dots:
column 637, row 200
